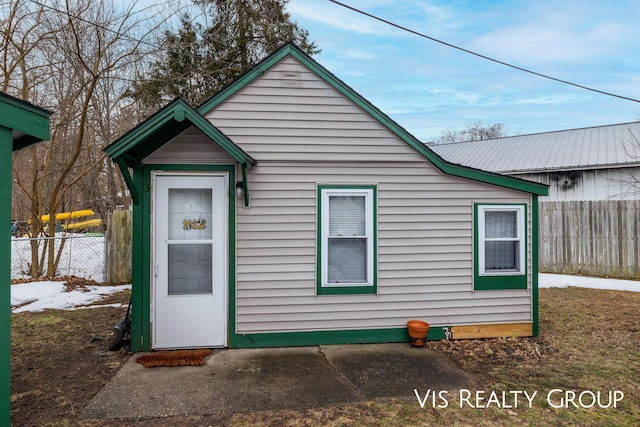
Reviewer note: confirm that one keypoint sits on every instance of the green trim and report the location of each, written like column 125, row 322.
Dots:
column 21, row 124
column 142, row 250
column 164, row 125
column 28, row 123
column 358, row 336
column 5, row 274
column 346, row 290
column 124, row 170
column 140, row 266
column 498, row 281
column 534, row 263
column 366, row 106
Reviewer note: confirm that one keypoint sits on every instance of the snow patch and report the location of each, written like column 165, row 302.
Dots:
column 563, row 281
column 39, row 296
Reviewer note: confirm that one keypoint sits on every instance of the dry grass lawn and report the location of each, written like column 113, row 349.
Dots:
column 589, row 341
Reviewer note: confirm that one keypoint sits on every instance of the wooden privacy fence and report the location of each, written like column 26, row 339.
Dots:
column 119, row 247
column 597, row 238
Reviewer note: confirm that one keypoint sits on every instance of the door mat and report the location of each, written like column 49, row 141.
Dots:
column 174, row 358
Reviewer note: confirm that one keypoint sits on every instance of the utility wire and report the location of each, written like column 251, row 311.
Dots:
column 497, row 61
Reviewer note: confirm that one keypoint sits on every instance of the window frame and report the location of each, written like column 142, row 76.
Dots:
column 323, row 287
column 506, row 279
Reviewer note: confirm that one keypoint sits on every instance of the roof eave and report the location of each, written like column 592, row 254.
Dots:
column 29, row 123
column 162, row 127
column 347, row 91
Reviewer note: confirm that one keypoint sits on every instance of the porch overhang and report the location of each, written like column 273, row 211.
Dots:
column 140, row 142
column 28, row 123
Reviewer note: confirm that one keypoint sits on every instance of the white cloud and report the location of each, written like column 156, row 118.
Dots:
column 566, row 33
column 336, row 17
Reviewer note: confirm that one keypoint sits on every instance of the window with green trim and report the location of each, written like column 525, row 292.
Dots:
column 346, row 240
column 500, row 247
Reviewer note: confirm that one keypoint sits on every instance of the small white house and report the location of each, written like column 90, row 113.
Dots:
column 288, row 210
column 594, row 163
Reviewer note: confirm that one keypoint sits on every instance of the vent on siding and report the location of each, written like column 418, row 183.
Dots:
column 290, row 79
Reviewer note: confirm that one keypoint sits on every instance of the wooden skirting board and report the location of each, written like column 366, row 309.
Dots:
column 492, row 331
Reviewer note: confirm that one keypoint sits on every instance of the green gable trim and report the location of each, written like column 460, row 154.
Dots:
column 399, row 131
column 312, row 338
column 164, row 125
column 29, row 124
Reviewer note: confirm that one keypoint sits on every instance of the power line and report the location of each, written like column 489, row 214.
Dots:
column 95, row 24
column 479, row 55
column 154, row 46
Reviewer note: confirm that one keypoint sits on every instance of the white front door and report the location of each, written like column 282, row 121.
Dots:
column 189, row 291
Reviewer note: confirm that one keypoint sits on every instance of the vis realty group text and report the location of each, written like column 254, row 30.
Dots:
column 556, row 398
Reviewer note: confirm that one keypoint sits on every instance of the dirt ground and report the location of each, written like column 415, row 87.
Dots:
column 59, row 363
column 59, row 359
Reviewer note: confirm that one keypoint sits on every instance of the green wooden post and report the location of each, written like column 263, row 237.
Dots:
column 6, row 144
column 21, row 124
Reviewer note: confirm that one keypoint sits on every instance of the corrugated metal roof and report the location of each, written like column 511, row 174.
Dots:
column 598, row 147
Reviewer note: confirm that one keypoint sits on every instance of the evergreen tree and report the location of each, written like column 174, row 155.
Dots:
column 199, row 60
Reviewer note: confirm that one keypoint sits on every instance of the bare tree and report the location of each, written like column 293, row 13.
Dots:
column 473, row 132
column 630, row 178
column 69, row 56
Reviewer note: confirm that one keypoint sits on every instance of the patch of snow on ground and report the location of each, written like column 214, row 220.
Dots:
column 563, row 281
column 39, row 296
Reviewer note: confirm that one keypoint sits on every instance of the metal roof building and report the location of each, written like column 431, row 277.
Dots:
column 595, row 163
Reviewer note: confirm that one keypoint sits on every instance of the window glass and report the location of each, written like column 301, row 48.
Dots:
column 501, row 224
column 347, row 215
column 501, row 256
column 190, row 213
column 190, row 269
column 347, row 260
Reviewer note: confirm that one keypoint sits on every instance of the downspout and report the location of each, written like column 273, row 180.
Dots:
column 245, row 186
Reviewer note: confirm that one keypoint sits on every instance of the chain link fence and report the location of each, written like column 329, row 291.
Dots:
column 83, row 255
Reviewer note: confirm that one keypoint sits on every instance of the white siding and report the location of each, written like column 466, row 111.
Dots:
column 593, row 184
column 303, row 133
column 191, row 146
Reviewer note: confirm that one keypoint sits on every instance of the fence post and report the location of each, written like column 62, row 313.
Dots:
column 119, row 247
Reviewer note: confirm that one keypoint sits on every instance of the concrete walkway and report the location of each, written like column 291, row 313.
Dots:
column 240, row 380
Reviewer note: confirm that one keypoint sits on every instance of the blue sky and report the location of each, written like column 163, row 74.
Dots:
column 429, row 88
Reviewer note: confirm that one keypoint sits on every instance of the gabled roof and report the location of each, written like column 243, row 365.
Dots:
column 443, row 165
column 29, row 124
column 600, row 147
column 160, row 128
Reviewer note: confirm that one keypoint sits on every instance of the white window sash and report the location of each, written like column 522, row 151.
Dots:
column 518, row 238
column 368, row 237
